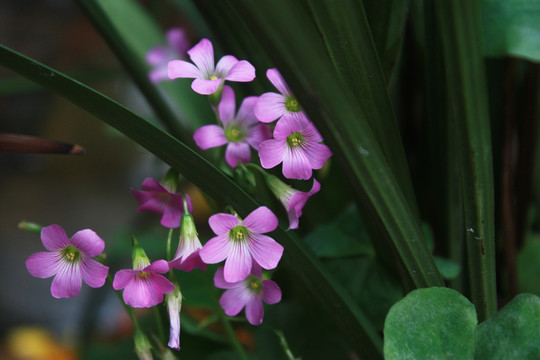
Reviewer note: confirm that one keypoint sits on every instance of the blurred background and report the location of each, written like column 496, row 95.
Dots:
column 76, row 192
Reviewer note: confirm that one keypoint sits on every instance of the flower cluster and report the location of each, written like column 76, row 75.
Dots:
column 294, row 142
column 242, row 244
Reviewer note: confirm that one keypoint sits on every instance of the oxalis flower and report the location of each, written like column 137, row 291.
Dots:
column 187, row 255
column 239, row 130
column 241, row 243
column 208, row 77
column 249, row 293
column 271, row 106
column 160, row 55
column 296, row 144
column 161, row 199
column 143, row 286
column 70, row 260
column 293, row 200
column 174, row 305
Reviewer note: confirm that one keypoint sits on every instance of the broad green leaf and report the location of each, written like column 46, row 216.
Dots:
column 529, row 266
column 433, row 323
column 308, row 270
column 448, row 268
column 513, row 333
column 511, row 27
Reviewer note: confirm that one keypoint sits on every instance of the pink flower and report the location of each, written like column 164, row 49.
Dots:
column 187, row 255
column 208, row 77
column 239, row 130
column 293, row 200
column 249, row 293
column 70, row 260
column 143, row 286
column 160, row 55
column 241, row 243
column 296, row 144
column 272, row 106
column 157, row 198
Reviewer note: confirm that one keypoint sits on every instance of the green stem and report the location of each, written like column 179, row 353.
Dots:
column 232, row 336
column 169, row 239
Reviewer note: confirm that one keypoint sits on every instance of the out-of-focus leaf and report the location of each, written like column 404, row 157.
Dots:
column 511, row 28
column 513, row 333
column 433, row 323
column 529, row 266
column 448, row 268
column 345, row 236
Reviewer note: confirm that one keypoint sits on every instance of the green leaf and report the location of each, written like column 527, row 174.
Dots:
column 348, row 237
column 292, row 41
column 513, row 333
column 529, row 266
column 347, row 316
column 433, row 323
column 511, row 27
column 131, row 33
column 448, row 268
column 459, row 27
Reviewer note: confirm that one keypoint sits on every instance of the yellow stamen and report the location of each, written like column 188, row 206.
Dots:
column 213, row 77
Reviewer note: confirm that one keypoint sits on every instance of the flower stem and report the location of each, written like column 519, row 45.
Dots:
column 284, row 345
column 169, row 237
column 159, row 324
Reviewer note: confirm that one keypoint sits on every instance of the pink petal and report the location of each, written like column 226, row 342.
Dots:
column 193, row 261
column 261, row 220
column 296, row 165
column 225, row 65
column 237, row 152
column 243, row 71
column 297, row 202
column 88, row 242
column 238, row 262
column 177, row 39
column 220, row 283
column 159, row 266
column 272, row 152
column 317, row 154
column 246, row 112
column 172, row 214
column 222, row 223
column 271, row 292
column 209, row 136
column 265, row 251
column 277, row 80
column 215, row 250
column 160, row 73
column 205, row 87
column 123, row 277
column 202, row 55
column 150, row 184
column 227, row 105
column 255, row 311
column 93, row 273
column 270, row 107
column 310, row 131
column 286, row 126
column 182, row 69
column 67, row 282
column 257, row 134
column 157, row 55
column 54, row 237
column 233, row 301
column 161, row 284
column 43, row 264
